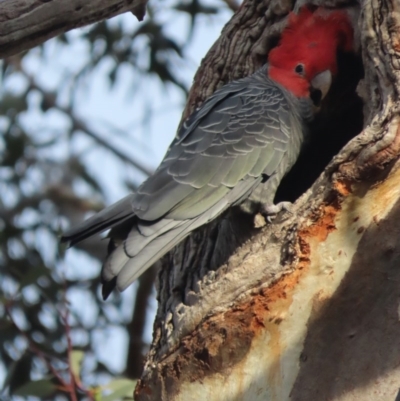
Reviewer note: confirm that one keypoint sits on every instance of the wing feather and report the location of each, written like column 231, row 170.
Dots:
column 246, row 135
column 249, row 129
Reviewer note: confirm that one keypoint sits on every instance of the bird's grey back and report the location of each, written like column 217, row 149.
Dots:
column 248, row 131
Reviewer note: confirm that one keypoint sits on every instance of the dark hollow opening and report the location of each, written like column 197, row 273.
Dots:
column 340, row 119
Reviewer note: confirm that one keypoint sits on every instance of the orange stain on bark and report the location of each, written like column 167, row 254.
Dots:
column 342, row 187
column 224, row 339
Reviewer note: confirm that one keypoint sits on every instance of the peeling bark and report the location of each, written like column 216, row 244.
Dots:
column 307, row 308
column 28, row 23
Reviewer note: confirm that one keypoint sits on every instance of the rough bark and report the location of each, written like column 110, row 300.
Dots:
column 28, row 23
column 307, row 308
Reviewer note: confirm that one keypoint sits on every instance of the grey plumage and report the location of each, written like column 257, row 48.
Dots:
column 247, row 135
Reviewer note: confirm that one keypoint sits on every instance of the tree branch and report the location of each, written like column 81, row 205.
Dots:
column 137, row 347
column 233, row 4
column 28, row 23
column 305, row 309
column 80, row 125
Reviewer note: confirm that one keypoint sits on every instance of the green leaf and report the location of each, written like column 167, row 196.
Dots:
column 76, row 362
column 19, row 372
column 32, row 275
column 12, row 102
column 39, row 388
column 15, row 144
column 122, row 388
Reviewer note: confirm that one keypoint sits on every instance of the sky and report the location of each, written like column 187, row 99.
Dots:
column 109, row 111
column 116, row 108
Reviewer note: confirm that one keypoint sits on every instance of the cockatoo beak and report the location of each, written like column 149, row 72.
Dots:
column 320, row 86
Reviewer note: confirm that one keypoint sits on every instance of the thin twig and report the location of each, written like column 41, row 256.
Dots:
column 80, row 125
column 75, row 381
column 64, row 319
column 35, row 350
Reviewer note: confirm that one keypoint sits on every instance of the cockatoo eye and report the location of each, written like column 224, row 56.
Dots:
column 299, row 69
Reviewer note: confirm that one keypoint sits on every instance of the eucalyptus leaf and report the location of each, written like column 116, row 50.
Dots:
column 39, row 388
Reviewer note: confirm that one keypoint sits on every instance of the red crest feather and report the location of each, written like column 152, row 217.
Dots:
column 311, row 39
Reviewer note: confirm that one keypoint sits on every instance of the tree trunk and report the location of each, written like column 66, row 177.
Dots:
column 306, row 308
column 28, row 23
